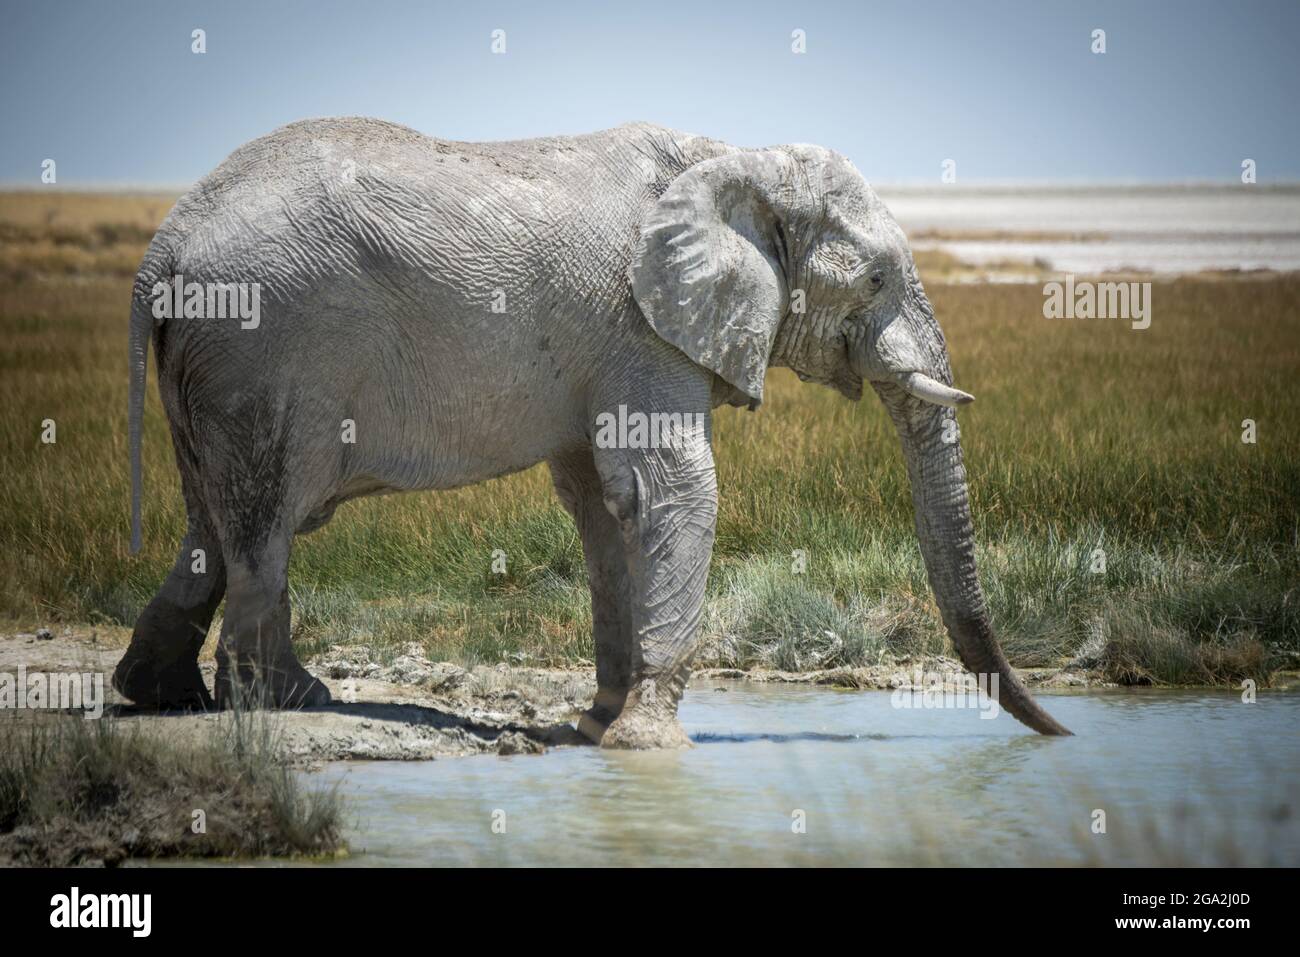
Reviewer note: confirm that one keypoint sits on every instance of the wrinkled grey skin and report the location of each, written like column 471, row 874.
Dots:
column 640, row 267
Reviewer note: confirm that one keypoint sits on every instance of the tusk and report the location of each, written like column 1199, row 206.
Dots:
column 931, row 390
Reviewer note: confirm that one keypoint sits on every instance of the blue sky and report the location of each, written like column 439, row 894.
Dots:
column 1010, row 90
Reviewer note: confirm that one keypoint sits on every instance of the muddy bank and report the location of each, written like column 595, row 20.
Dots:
column 409, row 707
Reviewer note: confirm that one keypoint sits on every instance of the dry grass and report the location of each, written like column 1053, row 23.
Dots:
column 1087, row 434
column 48, row 235
column 76, row 792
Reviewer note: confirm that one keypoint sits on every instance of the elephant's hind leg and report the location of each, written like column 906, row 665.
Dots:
column 579, row 487
column 256, row 665
column 160, row 668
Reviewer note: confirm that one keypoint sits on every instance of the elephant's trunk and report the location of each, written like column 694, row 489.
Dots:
column 906, row 361
column 943, row 525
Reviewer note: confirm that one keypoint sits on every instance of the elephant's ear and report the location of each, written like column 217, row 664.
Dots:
column 709, row 269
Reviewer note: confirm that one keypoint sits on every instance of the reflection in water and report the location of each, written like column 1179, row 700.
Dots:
column 1183, row 778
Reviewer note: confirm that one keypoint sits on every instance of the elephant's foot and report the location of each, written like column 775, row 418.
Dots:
column 647, row 722
column 607, row 706
column 285, row 686
column 638, row 731
column 158, row 685
column 160, row 669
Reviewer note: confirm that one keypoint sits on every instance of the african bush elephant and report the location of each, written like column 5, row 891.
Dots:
column 468, row 310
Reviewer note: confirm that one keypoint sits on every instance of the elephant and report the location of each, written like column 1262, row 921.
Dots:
column 469, row 310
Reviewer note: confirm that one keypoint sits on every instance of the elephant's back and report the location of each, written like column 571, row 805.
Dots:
column 287, row 209
column 360, row 161
column 363, row 224
column 341, row 197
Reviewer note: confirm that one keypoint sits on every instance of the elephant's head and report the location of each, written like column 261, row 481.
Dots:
column 786, row 257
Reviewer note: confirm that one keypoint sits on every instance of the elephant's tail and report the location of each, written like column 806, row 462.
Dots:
column 142, row 323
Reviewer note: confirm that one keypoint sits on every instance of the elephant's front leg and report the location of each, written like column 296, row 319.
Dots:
column 665, row 501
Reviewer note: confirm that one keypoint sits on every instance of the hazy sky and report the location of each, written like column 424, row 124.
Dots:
column 1010, row 90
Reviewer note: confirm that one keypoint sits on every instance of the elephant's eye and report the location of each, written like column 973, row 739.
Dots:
column 877, row 280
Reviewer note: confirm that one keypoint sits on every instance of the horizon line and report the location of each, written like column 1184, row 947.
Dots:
column 97, row 186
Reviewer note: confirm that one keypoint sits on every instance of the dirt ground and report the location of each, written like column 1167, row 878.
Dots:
column 411, row 709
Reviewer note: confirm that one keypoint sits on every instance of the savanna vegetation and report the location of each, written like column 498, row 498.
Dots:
column 1123, row 523
column 76, row 792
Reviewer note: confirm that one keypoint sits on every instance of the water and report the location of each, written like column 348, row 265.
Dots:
column 1182, row 777
column 1163, row 229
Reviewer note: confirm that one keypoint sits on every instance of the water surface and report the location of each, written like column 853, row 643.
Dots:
column 1182, row 778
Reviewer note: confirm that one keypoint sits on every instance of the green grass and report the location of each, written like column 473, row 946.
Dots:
column 1153, row 616
column 1085, row 435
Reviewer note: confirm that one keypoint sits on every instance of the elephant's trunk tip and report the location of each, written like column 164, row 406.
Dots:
column 1039, row 720
column 1015, row 698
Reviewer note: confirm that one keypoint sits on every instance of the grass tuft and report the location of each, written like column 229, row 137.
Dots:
column 75, row 792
